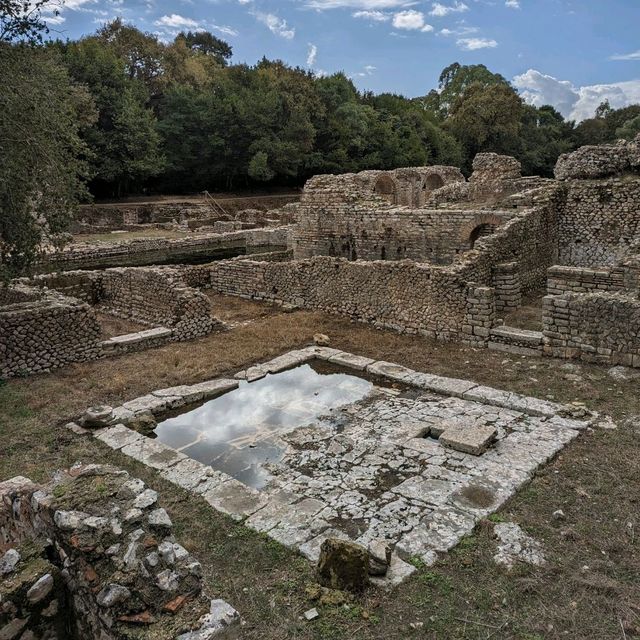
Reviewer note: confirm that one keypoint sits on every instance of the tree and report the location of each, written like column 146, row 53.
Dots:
column 43, row 165
column 486, row 118
column 22, row 21
column 207, row 44
column 630, row 129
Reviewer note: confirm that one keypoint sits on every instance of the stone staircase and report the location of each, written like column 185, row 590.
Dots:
column 514, row 340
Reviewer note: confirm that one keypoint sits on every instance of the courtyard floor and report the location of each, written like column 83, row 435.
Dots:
column 589, row 588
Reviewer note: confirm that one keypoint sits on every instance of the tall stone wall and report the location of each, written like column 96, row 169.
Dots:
column 45, row 333
column 598, row 222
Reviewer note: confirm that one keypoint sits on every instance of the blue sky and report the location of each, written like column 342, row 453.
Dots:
column 569, row 53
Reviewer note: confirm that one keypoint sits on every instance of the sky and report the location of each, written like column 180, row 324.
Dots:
column 572, row 54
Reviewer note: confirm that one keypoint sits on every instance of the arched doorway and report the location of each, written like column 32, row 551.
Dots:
column 433, row 182
column 481, row 231
column 385, row 187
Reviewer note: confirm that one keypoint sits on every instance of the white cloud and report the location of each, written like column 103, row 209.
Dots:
column 276, row 25
column 175, row 21
column 440, row 10
column 635, row 55
column 512, row 4
column 473, row 44
column 411, row 20
column 374, row 16
column 312, row 55
column 576, row 103
column 366, row 5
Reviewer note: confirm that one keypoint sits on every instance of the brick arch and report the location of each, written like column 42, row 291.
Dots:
column 475, row 229
column 386, row 187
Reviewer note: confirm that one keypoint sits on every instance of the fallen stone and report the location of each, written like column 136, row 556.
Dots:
column 379, row 557
column 98, row 416
column 41, row 589
column 469, row 439
column 343, row 565
column 322, row 339
column 112, row 595
column 312, row 614
column 623, row 374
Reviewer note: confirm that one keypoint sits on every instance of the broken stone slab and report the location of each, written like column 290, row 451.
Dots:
column 147, row 403
column 276, row 512
column 212, row 388
column 297, row 527
column 397, row 572
column 235, row 499
column 440, row 531
column 221, row 615
column 514, row 545
column 389, row 370
column 473, row 439
column 447, row 386
column 379, row 557
column 118, row 436
column 193, row 475
column 344, row 359
column 623, row 374
column 287, row 361
column 152, row 453
column 138, row 336
column 311, row 549
column 343, row 565
column 322, row 353
column 428, row 490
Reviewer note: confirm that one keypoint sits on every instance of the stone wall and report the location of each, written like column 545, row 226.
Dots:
column 162, row 250
column 598, row 221
column 601, row 161
column 404, row 296
column 157, row 297
column 577, row 280
column 597, row 327
column 92, row 555
column 45, row 333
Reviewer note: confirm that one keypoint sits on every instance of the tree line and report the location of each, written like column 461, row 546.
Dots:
column 120, row 112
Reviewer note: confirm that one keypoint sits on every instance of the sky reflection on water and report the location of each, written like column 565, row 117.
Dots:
column 238, row 432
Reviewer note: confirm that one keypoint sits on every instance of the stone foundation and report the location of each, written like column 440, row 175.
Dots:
column 92, row 555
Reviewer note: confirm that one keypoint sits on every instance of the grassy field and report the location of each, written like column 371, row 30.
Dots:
column 589, row 589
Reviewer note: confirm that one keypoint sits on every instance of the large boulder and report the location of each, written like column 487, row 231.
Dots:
column 343, row 565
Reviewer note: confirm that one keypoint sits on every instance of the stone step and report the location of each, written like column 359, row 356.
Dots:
column 534, row 338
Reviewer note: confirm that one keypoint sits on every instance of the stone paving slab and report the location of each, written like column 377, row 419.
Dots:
column 376, row 469
column 152, row 453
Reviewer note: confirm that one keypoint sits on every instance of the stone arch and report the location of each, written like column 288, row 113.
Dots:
column 432, row 182
column 479, row 227
column 386, row 188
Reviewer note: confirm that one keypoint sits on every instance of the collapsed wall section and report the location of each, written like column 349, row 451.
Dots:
column 92, row 555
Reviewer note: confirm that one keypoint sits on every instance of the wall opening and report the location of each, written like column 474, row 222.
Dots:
column 481, row 231
column 385, row 187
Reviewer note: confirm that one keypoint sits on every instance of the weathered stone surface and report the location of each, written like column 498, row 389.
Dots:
column 379, row 557
column 343, row 565
column 9, row 562
column 514, row 545
column 474, row 440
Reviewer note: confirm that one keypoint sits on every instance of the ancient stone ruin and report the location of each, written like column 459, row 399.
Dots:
column 92, row 555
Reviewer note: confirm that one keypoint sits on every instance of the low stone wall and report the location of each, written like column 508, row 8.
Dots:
column 405, row 296
column 92, row 555
column 156, row 297
column 597, row 327
column 576, row 280
column 162, row 250
column 48, row 332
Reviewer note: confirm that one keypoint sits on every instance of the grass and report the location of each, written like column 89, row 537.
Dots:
column 589, row 589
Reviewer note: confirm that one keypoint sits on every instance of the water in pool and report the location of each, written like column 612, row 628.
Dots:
column 238, row 432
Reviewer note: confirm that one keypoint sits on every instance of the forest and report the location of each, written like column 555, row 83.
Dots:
column 120, row 112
